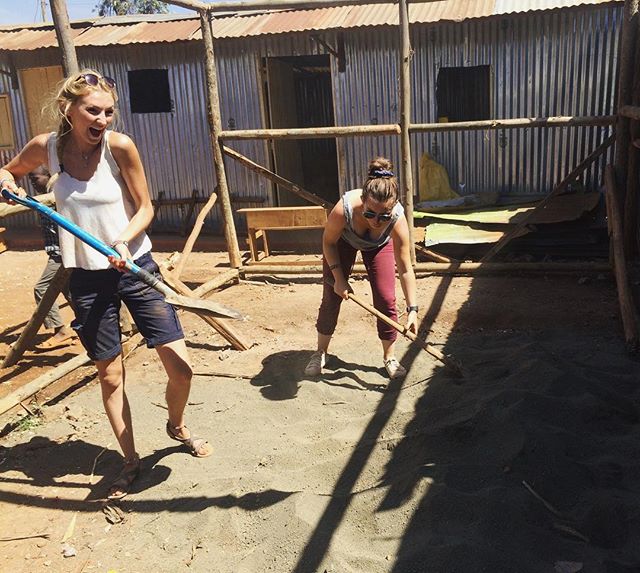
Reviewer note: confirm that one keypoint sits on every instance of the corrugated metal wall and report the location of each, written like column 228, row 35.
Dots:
column 543, row 64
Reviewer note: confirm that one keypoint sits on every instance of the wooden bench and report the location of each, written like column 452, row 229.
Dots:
column 263, row 219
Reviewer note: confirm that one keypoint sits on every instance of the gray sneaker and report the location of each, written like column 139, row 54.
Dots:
column 394, row 368
column 316, row 364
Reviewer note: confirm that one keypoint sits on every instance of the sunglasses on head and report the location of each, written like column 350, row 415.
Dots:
column 94, row 80
column 382, row 217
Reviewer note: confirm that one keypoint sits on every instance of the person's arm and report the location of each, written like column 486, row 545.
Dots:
column 332, row 231
column 33, row 155
column 402, row 245
column 128, row 159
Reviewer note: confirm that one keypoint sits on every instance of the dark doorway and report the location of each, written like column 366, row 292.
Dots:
column 298, row 93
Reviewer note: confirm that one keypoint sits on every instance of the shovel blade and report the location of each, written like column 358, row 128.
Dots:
column 203, row 307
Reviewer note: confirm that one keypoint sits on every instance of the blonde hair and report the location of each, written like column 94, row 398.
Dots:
column 381, row 184
column 69, row 91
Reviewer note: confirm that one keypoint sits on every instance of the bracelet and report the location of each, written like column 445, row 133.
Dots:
column 412, row 307
column 120, row 242
column 334, row 266
column 3, row 181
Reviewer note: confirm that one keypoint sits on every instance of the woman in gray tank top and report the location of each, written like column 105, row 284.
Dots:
column 372, row 221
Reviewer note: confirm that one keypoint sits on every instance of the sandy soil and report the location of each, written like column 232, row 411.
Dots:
column 530, row 463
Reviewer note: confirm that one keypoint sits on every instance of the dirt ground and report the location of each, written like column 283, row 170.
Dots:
column 529, row 463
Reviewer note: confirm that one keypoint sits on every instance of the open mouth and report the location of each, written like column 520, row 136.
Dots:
column 95, row 132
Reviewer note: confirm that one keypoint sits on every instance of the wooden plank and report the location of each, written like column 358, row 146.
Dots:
column 282, row 218
column 38, row 86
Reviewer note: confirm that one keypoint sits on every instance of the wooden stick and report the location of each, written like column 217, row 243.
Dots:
column 558, row 189
column 436, row 257
column 195, row 232
column 279, row 180
column 65, row 37
column 448, row 362
column 55, row 287
column 516, row 123
column 627, row 307
column 216, row 282
column 42, row 382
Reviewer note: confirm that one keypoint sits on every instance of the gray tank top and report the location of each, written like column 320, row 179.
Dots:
column 366, row 243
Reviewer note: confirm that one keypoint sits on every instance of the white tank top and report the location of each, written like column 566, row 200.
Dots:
column 101, row 206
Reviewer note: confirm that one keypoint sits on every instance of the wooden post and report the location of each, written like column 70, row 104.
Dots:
column 405, row 120
column 56, row 285
column 625, row 81
column 630, row 227
column 215, row 127
column 63, row 33
column 627, row 306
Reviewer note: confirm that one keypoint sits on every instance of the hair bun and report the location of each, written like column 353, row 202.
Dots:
column 380, row 167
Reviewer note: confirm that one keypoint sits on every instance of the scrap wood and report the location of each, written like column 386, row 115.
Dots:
column 226, row 375
column 557, row 190
column 625, row 298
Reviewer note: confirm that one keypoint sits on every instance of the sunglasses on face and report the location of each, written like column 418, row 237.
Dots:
column 382, row 217
column 94, row 80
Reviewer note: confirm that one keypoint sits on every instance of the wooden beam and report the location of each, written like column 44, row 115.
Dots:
column 558, row 189
column 249, row 5
column 55, row 287
column 516, row 123
column 35, row 386
column 285, row 183
column 406, row 165
column 443, row 268
column 63, row 33
column 627, row 306
column 215, row 127
column 630, row 111
column 311, row 132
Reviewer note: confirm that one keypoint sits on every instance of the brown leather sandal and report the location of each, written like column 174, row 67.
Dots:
column 198, row 447
column 129, row 473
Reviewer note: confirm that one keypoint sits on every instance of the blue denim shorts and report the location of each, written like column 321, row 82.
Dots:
column 97, row 296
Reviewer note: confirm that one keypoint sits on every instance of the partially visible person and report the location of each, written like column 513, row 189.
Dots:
column 99, row 184
column 62, row 333
column 370, row 220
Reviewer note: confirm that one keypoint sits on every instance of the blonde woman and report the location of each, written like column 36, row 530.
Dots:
column 99, row 184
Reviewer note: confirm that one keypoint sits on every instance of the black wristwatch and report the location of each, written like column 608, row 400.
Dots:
column 412, row 307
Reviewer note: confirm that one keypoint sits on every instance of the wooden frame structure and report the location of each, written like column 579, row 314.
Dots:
column 622, row 179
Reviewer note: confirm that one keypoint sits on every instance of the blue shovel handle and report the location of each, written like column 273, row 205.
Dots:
column 85, row 237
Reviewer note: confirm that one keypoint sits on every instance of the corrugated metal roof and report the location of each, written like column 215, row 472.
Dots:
column 380, row 15
column 140, row 33
column 114, row 31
